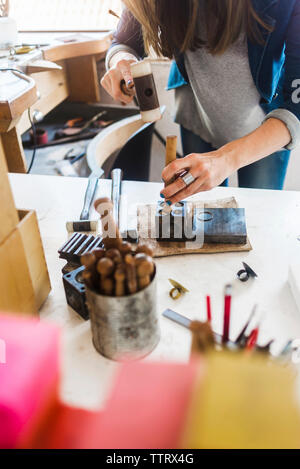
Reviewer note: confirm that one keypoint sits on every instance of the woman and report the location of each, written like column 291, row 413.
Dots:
column 237, row 81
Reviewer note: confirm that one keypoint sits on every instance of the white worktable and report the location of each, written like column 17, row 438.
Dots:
column 273, row 220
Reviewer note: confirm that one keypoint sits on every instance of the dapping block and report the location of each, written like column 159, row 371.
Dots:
column 176, row 225
column 214, row 225
column 221, row 225
column 78, row 245
column 146, row 229
column 75, row 292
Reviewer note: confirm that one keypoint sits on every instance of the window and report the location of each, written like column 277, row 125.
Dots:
column 65, row 15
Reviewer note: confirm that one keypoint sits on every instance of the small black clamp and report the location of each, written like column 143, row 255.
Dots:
column 244, row 274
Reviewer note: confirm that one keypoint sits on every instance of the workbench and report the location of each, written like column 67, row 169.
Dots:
column 273, row 221
column 41, row 91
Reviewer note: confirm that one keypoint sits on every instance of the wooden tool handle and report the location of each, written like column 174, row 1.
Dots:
column 144, row 268
column 88, row 278
column 202, row 337
column 131, row 279
column 145, row 248
column 120, row 277
column 144, row 281
column 107, row 286
column 110, row 232
column 171, row 149
column 125, row 248
column 88, row 260
column 99, row 253
column 144, row 265
column 105, row 267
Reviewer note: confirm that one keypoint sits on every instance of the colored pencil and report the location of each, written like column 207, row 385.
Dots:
column 241, row 335
column 208, row 308
column 227, row 308
column 252, row 341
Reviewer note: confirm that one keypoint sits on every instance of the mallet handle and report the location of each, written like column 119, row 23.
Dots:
column 171, row 149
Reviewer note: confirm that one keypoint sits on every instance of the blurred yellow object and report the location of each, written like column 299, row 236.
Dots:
column 243, row 403
column 24, row 50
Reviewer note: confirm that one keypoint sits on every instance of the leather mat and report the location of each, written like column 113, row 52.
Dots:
column 146, row 226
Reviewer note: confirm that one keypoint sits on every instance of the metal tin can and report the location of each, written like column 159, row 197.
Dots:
column 124, row 328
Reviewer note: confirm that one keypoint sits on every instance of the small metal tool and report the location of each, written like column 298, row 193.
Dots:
column 116, row 188
column 84, row 224
column 185, row 322
column 127, row 233
column 244, row 274
column 287, row 349
column 178, row 318
column 71, row 131
column 177, row 291
column 241, row 338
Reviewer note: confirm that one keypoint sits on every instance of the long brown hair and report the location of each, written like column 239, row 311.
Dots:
column 169, row 26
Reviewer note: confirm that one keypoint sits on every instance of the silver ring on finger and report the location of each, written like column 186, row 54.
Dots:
column 188, row 179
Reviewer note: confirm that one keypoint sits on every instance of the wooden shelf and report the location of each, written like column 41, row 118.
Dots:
column 24, row 279
column 8, row 213
column 82, row 47
column 17, row 95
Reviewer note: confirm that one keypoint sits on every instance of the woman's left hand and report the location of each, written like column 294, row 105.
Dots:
column 208, row 169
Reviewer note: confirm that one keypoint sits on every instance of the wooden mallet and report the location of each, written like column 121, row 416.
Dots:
column 110, row 231
column 131, row 279
column 106, row 267
column 144, row 268
column 120, row 277
column 145, row 248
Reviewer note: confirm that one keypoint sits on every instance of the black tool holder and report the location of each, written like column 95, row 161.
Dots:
column 75, row 292
column 78, row 245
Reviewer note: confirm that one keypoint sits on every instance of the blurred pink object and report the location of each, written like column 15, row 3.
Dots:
column 29, row 377
column 146, row 409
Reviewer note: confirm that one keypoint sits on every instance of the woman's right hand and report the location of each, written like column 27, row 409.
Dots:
column 120, row 70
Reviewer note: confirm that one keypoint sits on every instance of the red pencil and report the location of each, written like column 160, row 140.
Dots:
column 208, row 308
column 227, row 307
column 252, row 341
